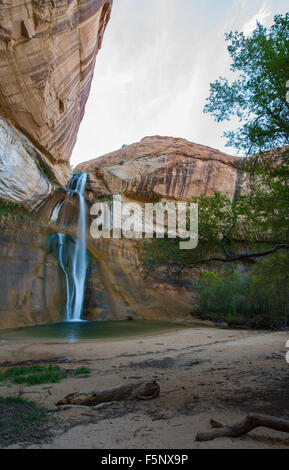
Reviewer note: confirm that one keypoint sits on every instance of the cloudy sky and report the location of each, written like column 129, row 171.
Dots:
column 153, row 72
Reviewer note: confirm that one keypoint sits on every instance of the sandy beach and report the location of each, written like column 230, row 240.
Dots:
column 203, row 373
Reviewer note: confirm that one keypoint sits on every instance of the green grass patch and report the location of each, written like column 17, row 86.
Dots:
column 82, row 371
column 13, row 217
column 35, row 375
column 44, row 169
column 20, row 420
column 8, row 208
column 107, row 198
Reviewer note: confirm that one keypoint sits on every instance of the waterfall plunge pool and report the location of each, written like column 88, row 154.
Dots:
column 92, row 330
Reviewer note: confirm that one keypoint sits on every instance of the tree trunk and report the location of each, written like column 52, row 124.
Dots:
column 143, row 391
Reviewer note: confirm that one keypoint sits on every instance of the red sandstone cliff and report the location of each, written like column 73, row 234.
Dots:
column 165, row 167
column 47, row 56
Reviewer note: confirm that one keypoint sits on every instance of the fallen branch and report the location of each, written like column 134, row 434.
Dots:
column 252, row 421
column 93, row 408
column 143, row 391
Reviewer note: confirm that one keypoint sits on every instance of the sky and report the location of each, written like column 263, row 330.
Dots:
column 154, row 69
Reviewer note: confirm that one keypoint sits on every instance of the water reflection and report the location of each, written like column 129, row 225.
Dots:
column 90, row 330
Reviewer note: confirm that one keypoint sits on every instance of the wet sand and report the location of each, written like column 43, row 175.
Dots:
column 203, row 373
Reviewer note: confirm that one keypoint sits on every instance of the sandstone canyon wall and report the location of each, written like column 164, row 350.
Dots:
column 155, row 168
column 21, row 179
column 32, row 291
column 33, row 288
column 165, row 167
column 116, row 289
column 47, row 55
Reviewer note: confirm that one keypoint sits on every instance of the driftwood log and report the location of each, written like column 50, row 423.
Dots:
column 143, row 391
column 252, row 421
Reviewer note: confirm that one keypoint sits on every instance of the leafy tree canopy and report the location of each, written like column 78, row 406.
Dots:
column 258, row 98
column 258, row 95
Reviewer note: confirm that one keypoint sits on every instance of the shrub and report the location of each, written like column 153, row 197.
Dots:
column 258, row 299
column 224, row 295
column 8, row 208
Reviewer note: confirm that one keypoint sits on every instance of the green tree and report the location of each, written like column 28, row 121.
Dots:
column 258, row 95
column 258, row 98
column 255, row 227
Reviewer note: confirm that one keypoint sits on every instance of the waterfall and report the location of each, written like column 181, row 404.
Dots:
column 55, row 213
column 79, row 258
column 71, row 251
column 61, row 241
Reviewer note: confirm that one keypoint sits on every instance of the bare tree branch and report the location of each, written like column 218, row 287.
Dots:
column 258, row 254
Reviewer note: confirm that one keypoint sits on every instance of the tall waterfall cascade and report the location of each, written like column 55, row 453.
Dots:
column 72, row 253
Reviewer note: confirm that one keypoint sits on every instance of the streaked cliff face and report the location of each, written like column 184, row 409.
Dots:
column 165, row 167
column 47, row 56
column 32, row 289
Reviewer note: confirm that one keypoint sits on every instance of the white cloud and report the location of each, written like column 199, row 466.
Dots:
column 259, row 17
column 153, row 72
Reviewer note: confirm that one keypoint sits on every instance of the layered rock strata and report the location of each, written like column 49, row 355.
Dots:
column 165, row 167
column 47, row 56
column 22, row 178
